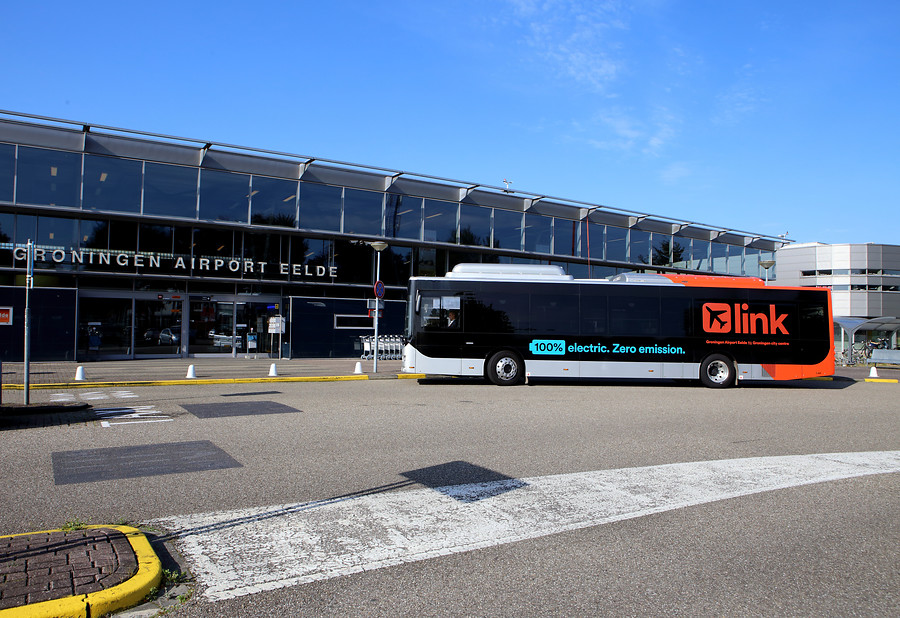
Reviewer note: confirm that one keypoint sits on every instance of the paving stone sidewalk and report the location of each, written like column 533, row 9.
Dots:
column 53, row 565
column 204, row 367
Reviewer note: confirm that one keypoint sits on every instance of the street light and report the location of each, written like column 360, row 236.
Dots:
column 587, row 229
column 379, row 246
column 767, row 264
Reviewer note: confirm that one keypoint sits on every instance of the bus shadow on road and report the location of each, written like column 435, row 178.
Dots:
column 819, row 385
column 464, row 481
column 836, row 383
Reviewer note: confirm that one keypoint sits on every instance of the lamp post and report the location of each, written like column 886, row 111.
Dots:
column 587, row 229
column 379, row 246
column 767, row 264
column 26, row 355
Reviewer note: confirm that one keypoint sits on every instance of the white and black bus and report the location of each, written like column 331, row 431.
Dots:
column 507, row 322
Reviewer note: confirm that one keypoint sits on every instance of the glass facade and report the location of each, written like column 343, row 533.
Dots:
column 474, row 225
column 170, row 190
column 440, row 221
column 179, row 238
column 566, row 236
column 403, row 217
column 273, row 201
column 538, row 233
column 363, row 212
column 507, row 230
column 92, row 182
column 112, row 184
column 640, row 247
column 320, row 207
column 661, row 249
column 617, row 245
column 224, row 196
column 7, row 171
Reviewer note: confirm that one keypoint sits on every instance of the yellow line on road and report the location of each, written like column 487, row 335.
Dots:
column 186, row 381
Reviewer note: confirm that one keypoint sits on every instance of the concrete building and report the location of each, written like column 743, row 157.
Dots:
column 865, row 284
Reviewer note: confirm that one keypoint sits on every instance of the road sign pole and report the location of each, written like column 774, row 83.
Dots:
column 26, row 356
column 378, row 246
column 377, row 278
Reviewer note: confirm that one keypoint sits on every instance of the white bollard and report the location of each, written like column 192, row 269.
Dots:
column 79, row 374
column 273, row 373
column 358, row 368
column 873, row 373
column 190, row 374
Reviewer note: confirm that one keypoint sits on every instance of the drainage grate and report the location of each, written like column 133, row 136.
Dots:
column 237, row 408
column 105, row 464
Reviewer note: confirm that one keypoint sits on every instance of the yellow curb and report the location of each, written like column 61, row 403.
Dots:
column 127, row 594
column 188, row 382
column 184, row 382
column 885, row 380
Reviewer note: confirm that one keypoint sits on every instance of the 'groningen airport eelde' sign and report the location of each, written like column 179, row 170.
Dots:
column 167, row 262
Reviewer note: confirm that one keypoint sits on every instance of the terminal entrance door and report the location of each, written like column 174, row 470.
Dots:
column 230, row 326
column 211, row 327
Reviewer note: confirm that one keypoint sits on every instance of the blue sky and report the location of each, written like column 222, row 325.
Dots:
column 764, row 116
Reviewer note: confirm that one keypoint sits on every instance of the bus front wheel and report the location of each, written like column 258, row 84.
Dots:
column 717, row 371
column 505, row 368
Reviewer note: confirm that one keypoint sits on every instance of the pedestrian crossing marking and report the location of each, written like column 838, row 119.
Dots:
column 240, row 552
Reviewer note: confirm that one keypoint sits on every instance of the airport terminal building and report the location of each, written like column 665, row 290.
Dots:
column 156, row 246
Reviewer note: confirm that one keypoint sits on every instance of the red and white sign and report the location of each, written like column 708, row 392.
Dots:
column 6, row 316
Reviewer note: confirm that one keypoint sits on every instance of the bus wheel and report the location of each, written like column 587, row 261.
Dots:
column 505, row 368
column 717, row 371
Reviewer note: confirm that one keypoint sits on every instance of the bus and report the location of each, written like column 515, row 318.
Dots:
column 508, row 322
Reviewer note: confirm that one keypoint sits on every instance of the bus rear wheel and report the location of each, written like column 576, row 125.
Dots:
column 717, row 371
column 505, row 368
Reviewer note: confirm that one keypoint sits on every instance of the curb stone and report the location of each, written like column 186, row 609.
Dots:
column 123, row 595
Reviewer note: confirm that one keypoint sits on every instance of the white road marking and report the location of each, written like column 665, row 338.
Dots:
column 107, row 424
column 234, row 553
column 94, row 396
column 123, row 395
column 91, row 396
column 131, row 415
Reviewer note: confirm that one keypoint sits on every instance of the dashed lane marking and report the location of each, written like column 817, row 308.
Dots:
column 91, row 396
column 124, row 395
column 131, row 416
column 241, row 552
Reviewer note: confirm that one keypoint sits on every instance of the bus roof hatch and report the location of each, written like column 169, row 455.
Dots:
column 516, row 272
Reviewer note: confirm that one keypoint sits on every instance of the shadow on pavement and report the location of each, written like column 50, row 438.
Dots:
column 45, row 415
column 834, row 383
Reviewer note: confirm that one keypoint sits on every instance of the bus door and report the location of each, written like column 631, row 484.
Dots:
column 440, row 329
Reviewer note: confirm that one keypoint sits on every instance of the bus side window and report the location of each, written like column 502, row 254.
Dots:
column 634, row 315
column 441, row 312
column 431, row 311
column 593, row 314
column 812, row 320
column 675, row 317
column 554, row 311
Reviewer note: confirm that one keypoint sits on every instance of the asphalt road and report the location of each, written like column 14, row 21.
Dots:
column 826, row 548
